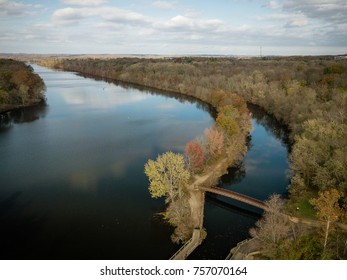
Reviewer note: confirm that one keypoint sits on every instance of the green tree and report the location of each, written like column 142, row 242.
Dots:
column 227, row 119
column 304, row 247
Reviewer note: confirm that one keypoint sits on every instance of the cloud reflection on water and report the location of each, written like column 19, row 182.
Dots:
column 102, row 100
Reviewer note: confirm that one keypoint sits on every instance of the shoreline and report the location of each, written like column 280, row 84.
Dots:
column 13, row 108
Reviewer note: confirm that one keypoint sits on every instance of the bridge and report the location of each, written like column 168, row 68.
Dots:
column 189, row 246
column 196, row 239
column 235, row 195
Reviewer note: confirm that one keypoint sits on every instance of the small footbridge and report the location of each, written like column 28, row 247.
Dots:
column 196, row 239
column 235, row 195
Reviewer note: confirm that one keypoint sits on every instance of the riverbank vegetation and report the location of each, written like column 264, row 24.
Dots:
column 281, row 236
column 206, row 158
column 307, row 94
column 19, row 85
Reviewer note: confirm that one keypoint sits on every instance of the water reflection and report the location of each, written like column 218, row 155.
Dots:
column 261, row 173
column 79, row 170
column 104, row 99
column 271, row 125
column 268, row 145
column 23, row 115
column 85, row 180
column 235, row 174
column 153, row 91
column 74, row 180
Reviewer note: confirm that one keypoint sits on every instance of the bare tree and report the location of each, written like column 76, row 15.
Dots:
column 215, row 141
column 273, row 226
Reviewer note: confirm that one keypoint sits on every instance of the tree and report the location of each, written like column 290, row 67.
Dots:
column 167, row 176
column 273, row 227
column 218, row 98
column 215, row 141
column 227, row 119
column 328, row 210
column 195, row 154
column 19, row 85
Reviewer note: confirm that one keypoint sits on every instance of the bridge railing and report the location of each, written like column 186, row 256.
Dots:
column 235, row 195
column 188, row 247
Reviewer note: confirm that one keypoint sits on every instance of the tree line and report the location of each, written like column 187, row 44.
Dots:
column 19, row 85
column 308, row 94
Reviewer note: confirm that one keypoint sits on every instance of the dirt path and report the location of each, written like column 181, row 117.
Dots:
column 201, row 179
column 197, row 197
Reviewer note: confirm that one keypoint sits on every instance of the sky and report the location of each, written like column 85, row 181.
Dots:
column 164, row 27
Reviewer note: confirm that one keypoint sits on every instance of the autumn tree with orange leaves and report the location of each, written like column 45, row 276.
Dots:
column 195, row 155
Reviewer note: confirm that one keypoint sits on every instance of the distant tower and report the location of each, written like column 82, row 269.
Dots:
column 261, row 49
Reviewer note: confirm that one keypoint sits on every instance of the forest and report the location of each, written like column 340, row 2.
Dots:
column 19, row 85
column 307, row 94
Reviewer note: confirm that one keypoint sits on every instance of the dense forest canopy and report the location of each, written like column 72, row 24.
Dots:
column 308, row 94
column 19, row 85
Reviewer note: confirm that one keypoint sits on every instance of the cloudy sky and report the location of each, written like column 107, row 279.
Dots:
column 280, row 27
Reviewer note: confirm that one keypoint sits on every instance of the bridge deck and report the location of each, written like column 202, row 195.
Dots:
column 235, row 195
column 189, row 247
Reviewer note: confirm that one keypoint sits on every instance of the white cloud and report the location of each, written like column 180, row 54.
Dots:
column 83, row 2
column 13, row 8
column 165, row 5
column 121, row 15
column 273, row 5
column 68, row 15
column 112, row 14
column 297, row 19
column 184, row 23
column 323, row 10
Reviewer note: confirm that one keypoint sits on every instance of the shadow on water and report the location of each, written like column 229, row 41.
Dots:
column 213, row 200
column 271, row 125
column 18, row 231
column 235, row 174
column 23, row 115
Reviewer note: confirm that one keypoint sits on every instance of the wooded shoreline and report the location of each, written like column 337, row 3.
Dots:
column 20, row 87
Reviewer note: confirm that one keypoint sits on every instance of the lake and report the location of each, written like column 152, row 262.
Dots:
column 72, row 184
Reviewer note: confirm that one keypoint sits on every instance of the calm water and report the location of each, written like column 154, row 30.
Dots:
column 262, row 173
column 71, row 173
